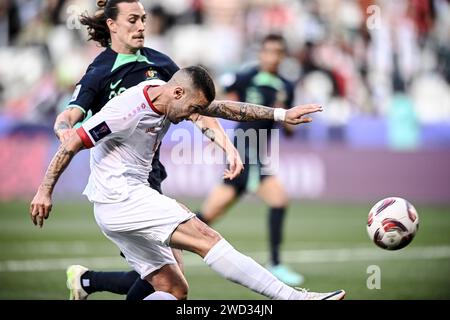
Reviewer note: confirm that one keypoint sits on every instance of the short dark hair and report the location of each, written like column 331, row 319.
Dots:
column 273, row 37
column 97, row 28
column 201, row 80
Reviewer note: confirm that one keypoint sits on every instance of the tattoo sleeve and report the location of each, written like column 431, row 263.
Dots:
column 60, row 125
column 238, row 111
column 59, row 162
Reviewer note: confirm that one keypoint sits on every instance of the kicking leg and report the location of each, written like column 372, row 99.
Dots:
column 197, row 237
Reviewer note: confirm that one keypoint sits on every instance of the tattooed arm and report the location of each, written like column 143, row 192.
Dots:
column 243, row 111
column 213, row 130
column 42, row 202
column 65, row 121
column 238, row 111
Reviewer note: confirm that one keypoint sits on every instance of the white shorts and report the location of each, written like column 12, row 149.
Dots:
column 141, row 227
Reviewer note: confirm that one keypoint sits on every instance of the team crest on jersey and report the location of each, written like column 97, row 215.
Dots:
column 151, row 74
column 100, row 131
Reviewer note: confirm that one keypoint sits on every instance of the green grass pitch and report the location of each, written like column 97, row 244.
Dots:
column 326, row 242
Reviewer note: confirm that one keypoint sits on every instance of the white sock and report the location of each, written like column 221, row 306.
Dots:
column 236, row 267
column 160, row 295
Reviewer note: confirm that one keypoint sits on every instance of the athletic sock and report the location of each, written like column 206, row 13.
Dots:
column 276, row 217
column 115, row 282
column 236, row 267
column 139, row 290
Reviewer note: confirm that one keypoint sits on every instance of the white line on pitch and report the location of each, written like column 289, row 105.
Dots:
column 300, row 256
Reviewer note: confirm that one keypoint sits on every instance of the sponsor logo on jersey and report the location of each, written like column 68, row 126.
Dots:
column 100, row 131
column 113, row 86
column 114, row 91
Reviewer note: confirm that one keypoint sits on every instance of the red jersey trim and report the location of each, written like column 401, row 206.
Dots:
column 84, row 138
column 149, row 101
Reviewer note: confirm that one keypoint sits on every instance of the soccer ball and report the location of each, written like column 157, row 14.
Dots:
column 393, row 223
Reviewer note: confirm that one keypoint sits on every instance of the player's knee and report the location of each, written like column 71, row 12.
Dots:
column 212, row 241
column 279, row 199
column 180, row 291
column 281, row 202
column 214, row 237
column 209, row 237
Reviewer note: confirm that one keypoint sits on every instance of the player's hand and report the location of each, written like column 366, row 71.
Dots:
column 235, row 164
column 40, row 207
column 64, row 134
column 296, row 114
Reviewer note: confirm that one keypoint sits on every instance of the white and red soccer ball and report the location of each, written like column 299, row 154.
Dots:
column 392, row 224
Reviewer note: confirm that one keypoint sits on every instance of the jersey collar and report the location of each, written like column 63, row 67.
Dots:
column 123, row 58
column 149, row 101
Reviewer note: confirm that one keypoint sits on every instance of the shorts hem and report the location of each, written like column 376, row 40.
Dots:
column 167, row 241
column 151, row 270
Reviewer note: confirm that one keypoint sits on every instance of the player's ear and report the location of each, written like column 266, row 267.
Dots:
column 178, row 92
column 111, row 25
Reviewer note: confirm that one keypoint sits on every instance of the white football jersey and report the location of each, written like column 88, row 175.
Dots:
column 126, row 133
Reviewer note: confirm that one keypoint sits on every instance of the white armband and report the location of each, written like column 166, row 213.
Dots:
column 279, row 114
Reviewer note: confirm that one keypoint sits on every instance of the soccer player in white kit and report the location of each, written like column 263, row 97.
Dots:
column 143, row 223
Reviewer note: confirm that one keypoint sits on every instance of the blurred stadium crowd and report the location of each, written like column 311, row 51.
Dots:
column 380, row 68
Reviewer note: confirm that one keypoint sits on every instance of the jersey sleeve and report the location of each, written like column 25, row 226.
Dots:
column 86, row 91
column 110, row 123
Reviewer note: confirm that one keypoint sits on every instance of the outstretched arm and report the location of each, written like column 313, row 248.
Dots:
column 238, row 111
column 243, row 111
column 42, row 202
column 213, row 130
column 65, row 121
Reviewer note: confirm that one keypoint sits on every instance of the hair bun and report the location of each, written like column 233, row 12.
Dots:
column 101, row 3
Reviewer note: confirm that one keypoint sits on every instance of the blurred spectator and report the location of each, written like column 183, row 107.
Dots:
column 159, row 22
column 403, row 128
column 346, row 54
column 9, row 22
